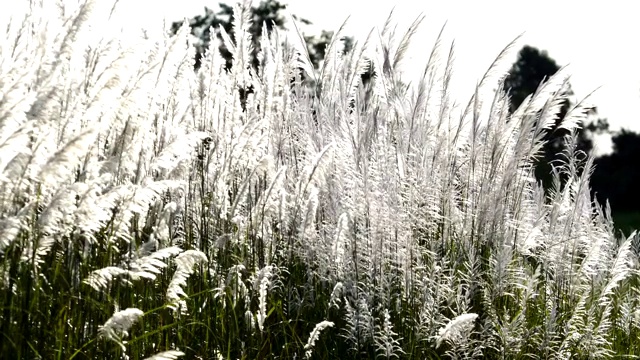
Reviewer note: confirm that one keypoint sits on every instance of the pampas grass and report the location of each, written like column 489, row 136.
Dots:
column 166, row 355
column 118, row 325
column 316, row 217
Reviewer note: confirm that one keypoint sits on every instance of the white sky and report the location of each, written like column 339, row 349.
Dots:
column 597, row 39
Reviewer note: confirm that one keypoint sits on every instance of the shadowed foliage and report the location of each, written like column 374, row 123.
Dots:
column 616, row 177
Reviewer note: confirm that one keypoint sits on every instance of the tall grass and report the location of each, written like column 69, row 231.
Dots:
column 147, row 212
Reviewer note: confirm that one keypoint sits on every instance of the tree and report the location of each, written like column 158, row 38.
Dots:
column 616, row 177
column 530, row 69
column 269, row 13
column 527, row 73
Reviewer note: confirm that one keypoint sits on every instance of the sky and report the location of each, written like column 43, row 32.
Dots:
column 597, row 40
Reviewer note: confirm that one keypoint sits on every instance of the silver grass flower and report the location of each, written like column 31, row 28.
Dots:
column 16, row 143
column 177, row 154
column 101, row 279
column 235, row 283
column 336, row 294
column 386, row 340
column 620, row 270
column 135, row 200
column 359, row 329
column 185, row 262
column 118, row 325
column 250, row 319
column 64, row 162
column 457, row 329
column 302, row 59
column 262, row 282
column 57, row 217
column 340, row 240
column 147, row 267
column 94, row 207
column 9, row 230
column 314, row 336
column 310, row 212
column 166, row 355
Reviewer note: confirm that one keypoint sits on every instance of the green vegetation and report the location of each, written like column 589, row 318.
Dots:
column 148, row 210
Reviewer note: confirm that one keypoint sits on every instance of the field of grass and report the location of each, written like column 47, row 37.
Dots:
column 146, row 213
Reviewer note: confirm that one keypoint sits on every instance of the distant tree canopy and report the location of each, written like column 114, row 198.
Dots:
column 530, row 69
column 527, row 73
column 269, row 13
column 617, row 175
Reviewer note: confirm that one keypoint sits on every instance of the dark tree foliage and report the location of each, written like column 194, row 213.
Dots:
column 527, row 73
column 617, row 173
column 269, row 13
column 616, row 178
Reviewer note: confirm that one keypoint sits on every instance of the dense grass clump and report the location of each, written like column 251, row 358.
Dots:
column 146, row 208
